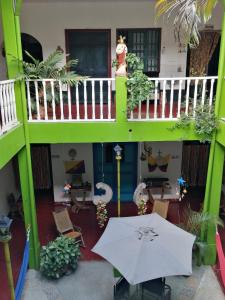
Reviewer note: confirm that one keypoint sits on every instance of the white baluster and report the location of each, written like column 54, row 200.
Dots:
column 85, row 100
column 156, row 99
column 8, row 103
column 131, row 115
column 29, row 101
column 93, row 98
column 171, row 98
column 37, row 100
column 139, row 110
column 53, row 99
column 164, row 99
column 61, row 100
column 211, row 92
column 195, row 96
column 77, row 102
column 101, row 100
column 179, row 98
column 45, row 100
column 2, row 106
column 203, row 91
column 5, row 105
column 109, row 100
column 69, row 101
column 13, row 102
column 147, row 109
column 187, row 96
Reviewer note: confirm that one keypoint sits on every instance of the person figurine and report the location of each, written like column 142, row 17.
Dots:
column 121, row 51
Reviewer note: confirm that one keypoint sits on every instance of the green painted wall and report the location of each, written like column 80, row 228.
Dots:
column 10, row 144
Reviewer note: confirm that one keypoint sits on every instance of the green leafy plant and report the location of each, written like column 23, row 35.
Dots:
column 193, row 222
column 206, row 122
column 183, row 122
column 50, row 68
column 58, row 257
column 139, row 86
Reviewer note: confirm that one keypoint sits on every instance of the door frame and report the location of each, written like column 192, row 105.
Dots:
column 108, row 31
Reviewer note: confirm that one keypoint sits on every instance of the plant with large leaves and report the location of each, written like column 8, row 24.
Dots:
column 50, row 68
column 188, row 15
column 194, row 222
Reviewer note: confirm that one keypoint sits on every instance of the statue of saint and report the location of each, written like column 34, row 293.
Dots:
column 121, row 51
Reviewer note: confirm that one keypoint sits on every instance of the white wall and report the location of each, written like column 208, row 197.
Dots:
column 7, row 186
column 59, row 154
column 174, row 166
column 47, row 22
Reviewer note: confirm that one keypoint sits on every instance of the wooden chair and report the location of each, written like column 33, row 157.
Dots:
column 161, row 207
column 64, row 226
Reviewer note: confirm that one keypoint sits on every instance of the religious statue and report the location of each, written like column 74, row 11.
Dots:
column 121, row 51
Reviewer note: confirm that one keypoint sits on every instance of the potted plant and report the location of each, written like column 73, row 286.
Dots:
column 50, row 68
column 59, row 257
column 194, row 222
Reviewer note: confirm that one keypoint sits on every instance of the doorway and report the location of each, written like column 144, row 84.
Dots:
column 92, row 48
column 105, row 168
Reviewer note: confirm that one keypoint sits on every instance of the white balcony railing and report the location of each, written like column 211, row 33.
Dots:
column 50, row 100
column 8, row 116
column 93, row 99
column 171, row 96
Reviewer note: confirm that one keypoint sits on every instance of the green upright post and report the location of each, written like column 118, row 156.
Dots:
column 214, row 179
column 121, row 99
column 13, row 48
column 214, row 204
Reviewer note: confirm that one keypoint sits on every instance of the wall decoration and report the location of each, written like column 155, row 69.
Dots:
column 155, row 161
column 74, row 167
column 141, row 199
column 101, row 202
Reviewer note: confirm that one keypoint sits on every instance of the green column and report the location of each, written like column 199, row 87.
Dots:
column 215, row 167
column 13, row 47
column 214, row 203
column 121, row 99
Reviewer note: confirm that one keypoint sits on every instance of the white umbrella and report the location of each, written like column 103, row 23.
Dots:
column 146, row 247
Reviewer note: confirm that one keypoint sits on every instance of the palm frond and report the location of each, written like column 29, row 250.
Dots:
column 187, row 15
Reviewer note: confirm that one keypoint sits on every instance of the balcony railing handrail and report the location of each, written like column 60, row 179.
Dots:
column 86, row 79
column 182, row 78
column 7, row 81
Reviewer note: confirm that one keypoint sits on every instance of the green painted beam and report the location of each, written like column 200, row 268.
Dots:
column 214, row 203
column 18, row 7
column 220, row 137
column 10, row 143
column 27, row 190
column 106, row 132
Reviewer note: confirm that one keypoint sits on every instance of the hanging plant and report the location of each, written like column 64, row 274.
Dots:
column 101, row 214
column 142, row 207
column 205, row 122
column 139, row 87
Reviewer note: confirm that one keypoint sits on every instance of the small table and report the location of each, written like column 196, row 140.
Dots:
column 155, row 182
column 83, row 189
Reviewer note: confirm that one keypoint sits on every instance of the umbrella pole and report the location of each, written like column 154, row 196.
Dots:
column 118, row 158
